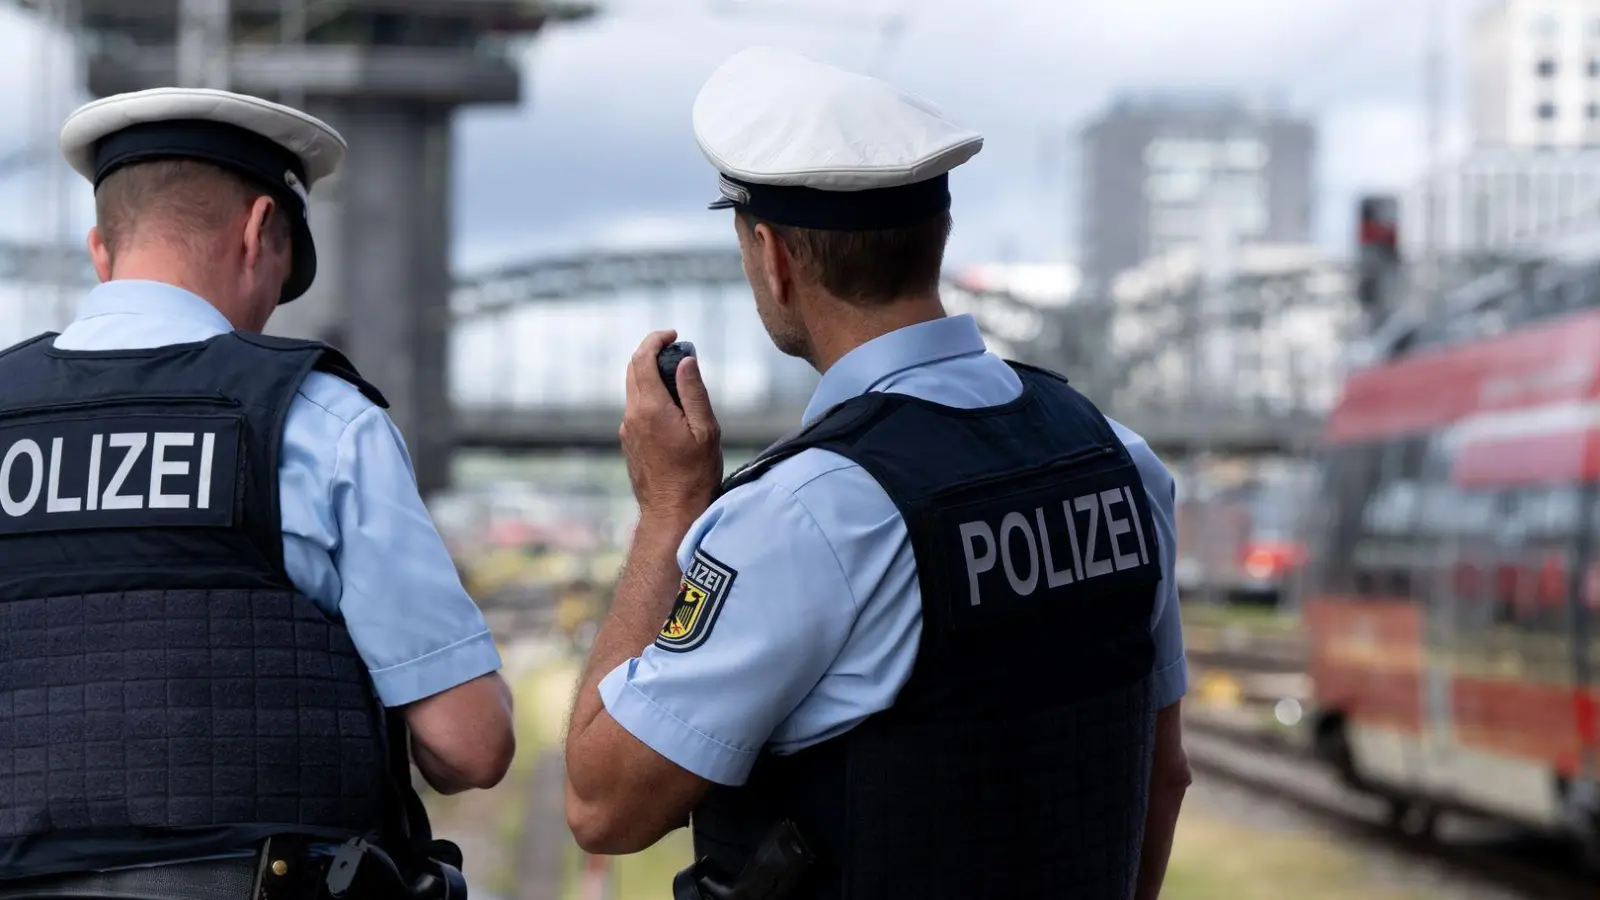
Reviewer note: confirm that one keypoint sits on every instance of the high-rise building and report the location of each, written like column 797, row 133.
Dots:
column 1169, row 172
column 1532, row 173
column 1536, row 74
column 1497, row 200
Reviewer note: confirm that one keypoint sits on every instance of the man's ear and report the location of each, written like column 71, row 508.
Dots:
column 257, row 229
column 99, row 254
column 777, row 266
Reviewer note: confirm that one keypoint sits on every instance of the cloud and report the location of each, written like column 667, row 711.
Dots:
column 606, row 137
column 600, row 153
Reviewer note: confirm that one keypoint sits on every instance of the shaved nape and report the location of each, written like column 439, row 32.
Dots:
column 180, row 202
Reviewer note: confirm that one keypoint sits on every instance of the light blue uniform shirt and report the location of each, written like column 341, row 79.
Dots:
column 820, row 626
column 357, row 539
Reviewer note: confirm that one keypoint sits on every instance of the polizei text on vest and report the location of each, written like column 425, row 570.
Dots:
column 90, row 473
column 1054, row 543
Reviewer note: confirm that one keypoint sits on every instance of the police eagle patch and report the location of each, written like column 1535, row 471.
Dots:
column 705, row 586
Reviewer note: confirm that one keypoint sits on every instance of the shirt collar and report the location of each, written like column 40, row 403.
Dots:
column 874, row 363
column 158, row 299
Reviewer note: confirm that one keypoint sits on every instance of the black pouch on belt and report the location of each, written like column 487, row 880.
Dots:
column 776, row 871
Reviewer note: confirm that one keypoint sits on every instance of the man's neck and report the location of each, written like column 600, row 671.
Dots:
column 134, row 268
column 851, row 326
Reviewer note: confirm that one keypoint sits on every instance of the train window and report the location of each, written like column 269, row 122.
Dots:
column 1342, row 561
column 1391, row 506
column 1388, row 556
column 1544, row 514
column 1594, row 513
column 1408, row 456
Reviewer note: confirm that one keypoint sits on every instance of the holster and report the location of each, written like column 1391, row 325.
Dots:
column 776, row 871
column 360, row 871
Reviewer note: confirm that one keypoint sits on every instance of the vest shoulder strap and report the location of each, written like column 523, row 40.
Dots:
column 1023, row 369
column 1057, row 385
column 846, row 420
column 329, row 360
column 30, row 342
column 853, row 417
column 841, row 421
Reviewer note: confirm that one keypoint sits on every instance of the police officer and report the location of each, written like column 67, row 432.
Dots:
column 929, row 647
column 225, row 614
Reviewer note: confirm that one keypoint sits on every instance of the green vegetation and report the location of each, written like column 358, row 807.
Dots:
column 1214, row 860
column 642, row 876
column 542, row 698
column 1262, row 619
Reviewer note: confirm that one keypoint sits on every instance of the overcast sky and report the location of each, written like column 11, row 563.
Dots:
column 600, row 152
column 603, row 152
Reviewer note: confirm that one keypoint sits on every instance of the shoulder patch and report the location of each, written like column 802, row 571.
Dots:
column 700, row 597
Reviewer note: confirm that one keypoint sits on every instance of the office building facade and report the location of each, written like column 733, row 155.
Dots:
column 1167, row 173
column 1535, row 67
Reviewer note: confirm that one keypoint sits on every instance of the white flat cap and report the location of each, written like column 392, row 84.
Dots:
column 802, row 143
column 283, row 150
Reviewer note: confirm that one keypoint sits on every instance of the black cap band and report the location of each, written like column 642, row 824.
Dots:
column 264, row 162
column 870, row 210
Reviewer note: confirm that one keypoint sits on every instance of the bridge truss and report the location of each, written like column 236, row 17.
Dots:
column 1167, row 360
column 1238, row 369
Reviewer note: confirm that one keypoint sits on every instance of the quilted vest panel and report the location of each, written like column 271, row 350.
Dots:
column 1015, row 762
column 165, row 691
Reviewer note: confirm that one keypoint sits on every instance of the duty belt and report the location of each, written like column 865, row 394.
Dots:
column 284, row 869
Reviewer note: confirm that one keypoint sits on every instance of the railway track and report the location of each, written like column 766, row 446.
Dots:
column 1271, row 765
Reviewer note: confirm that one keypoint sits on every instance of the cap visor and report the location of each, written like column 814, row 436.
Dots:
column 722, row 203
column 303, row 265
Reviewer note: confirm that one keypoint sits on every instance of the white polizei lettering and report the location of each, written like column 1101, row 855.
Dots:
column 91, row 498
column 1117, row 527
column 1072, row 538
column 208, row 444
column 1015, row 521
column 134, row 442
column 1138, row 529
column 12, row 506
column 54, row 502
column 977, row 565
column 1092, row 568
column 1052, row 578
column 161, row 468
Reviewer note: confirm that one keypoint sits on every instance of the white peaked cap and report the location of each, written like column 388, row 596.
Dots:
column 772, row 118
column 283, row 150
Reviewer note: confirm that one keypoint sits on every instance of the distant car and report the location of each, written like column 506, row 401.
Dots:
column 1272, row 551
column 1241, row 545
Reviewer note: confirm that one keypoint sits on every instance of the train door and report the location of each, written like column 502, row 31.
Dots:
column 1584, row 605
column 1441, row 552
column 1530, row 739
column 1510, row 646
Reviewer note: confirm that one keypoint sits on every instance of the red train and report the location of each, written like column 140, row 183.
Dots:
column 1452, row 589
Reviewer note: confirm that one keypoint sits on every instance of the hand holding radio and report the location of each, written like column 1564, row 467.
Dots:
column 670, row 436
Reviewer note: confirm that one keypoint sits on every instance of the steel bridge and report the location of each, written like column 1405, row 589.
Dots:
column 539, row 348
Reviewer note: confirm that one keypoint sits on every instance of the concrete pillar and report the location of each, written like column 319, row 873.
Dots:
column 382, row 292
column 382, row 224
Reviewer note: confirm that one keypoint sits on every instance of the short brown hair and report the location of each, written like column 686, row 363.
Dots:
column 178, row 200
column 868, row 267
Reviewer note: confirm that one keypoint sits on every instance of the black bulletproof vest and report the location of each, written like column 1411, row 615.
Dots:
column 1015, row 762
column 165, row 691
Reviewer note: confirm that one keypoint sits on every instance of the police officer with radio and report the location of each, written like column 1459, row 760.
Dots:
column 227, row 623
column 926, row 647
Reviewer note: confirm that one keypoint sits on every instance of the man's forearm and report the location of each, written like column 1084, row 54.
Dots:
column 438, row 773
column 1160, row 825
column 644, row 597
